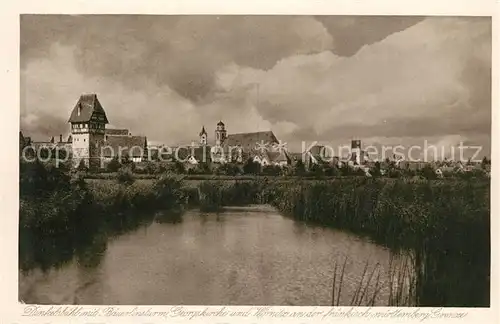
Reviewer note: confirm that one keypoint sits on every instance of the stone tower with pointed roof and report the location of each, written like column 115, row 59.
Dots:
column 88, row 124
column 203, row 136
column 220, row 134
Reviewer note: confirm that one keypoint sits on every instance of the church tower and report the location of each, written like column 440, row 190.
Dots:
column 356, row 154
column 220, row 134
column 88, row 123
column 203, row 136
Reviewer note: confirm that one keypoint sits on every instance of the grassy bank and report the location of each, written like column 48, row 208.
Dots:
column 61, row 215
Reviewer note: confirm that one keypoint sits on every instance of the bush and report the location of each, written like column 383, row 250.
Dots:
column 82, row 166
column 228, row 169
column 251, row 167
column 152, row 168
column 114, row 165
column 210, row 195
column 168, row 191
column 299, row 169
column 175, row 167
column 271, row 170
column 428, row 172
column 317, row 170
column 38, row 180
column 125, row 176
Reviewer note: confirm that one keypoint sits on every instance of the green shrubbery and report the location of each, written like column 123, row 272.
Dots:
column 59, row 211
column 125, row 176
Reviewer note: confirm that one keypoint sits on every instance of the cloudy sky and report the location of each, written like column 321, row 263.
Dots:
column 384, row 80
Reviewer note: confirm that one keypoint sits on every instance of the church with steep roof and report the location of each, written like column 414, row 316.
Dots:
column 238, row 147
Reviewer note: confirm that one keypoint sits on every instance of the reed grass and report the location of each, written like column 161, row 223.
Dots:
column 445, row 224
column 399, row 282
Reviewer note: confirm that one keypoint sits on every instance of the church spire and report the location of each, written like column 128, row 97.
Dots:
column 203, row 136
column 203, row 131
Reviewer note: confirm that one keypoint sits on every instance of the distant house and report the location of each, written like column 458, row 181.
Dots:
column 117, row 131
column 192, row 155
column 261, row 159
column 294, row 157
column 445, row 170
column 23, row 141
column 317, row 154
column 227, row 154
column 412, row 165
column 125, row 146
column 192, row 160
column 279, row 158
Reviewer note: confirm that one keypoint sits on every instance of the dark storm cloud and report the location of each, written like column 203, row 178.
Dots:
column 306, row 78
column 185, row 51
column 181, row 51
column 351, row 33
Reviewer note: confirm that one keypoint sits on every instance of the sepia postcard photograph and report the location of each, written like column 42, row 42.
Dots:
column 255, row 160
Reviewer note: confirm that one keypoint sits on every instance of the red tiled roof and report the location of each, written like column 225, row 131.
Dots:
column 279, row 156
column 248, row 141
column 88, row 105
column 116, row 131
column 133, row 146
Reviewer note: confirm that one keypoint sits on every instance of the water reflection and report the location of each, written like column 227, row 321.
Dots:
column 172, row 217
column 91, row 255
column 249, row 256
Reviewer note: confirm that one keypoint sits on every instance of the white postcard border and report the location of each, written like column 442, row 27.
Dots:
column 11, row 310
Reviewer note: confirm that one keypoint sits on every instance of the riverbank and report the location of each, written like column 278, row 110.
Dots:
column 446, row 223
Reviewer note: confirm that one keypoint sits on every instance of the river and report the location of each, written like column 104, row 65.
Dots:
column 241, row 256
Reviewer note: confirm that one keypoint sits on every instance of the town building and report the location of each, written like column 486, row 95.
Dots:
column 93, row 144
column 88, row 123
column 23, row 142
column 357, row 155
column 262, row 147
